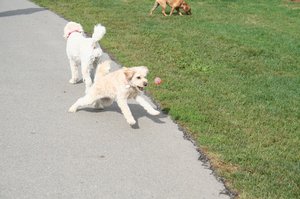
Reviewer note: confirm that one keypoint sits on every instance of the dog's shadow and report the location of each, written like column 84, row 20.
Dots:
column 137, row 111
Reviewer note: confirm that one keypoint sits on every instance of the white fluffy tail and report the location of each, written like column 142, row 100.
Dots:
column 99, row 32
column 102, row 69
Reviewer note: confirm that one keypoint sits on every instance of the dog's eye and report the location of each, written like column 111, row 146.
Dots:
column 138, row 77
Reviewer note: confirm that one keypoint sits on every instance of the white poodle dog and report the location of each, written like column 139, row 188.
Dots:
column 120, row 85
column 83, row 51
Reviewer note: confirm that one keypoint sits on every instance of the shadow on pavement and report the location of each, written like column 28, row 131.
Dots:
column 136, row 110
column 25, row 11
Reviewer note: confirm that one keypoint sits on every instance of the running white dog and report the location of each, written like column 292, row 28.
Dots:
column 83, row 51
column 118, row 86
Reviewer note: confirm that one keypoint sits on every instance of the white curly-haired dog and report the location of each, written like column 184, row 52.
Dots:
column 119, row 86
column 83, row 51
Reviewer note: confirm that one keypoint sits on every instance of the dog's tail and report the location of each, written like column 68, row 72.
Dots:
column 102, row 69
column 99, row 32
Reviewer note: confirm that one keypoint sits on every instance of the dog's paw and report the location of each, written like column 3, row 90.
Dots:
column 73, row 81
column 72, row 109
column 131, row 122
column 153, row 112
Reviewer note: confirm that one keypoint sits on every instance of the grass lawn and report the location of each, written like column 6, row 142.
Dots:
column 231, row 77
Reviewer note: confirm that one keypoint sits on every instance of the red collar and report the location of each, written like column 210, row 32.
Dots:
column 73, row 32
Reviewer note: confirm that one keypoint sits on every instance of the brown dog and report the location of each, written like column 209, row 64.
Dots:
column 174, row 4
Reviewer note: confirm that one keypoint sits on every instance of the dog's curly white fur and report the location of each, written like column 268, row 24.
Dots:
column 83, row 51
column 118, row 86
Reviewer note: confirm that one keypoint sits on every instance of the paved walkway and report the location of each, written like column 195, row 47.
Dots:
column 46, row 152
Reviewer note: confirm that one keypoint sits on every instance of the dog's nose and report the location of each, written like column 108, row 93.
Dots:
column 145, row 83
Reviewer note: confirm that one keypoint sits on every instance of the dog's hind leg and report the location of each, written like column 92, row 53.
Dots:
column 74, row 72
column 122, row 103
column 146, row 105
column 154, row 7
column 83, row 101
column 93, row 69
column 86, row 75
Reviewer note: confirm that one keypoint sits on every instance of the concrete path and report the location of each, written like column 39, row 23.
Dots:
column 46, row 152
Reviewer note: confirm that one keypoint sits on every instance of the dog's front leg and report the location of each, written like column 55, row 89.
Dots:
column 172, row 10
column 122, row 103
column 178, row 11
column 146, row 106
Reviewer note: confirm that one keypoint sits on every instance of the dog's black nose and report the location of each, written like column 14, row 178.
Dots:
column 145, row 83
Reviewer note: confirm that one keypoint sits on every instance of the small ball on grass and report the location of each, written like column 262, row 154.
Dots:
column 157, row 81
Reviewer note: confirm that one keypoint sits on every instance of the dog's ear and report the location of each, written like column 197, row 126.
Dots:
column 128, row 73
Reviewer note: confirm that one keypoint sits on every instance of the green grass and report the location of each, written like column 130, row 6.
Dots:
column 231, row 75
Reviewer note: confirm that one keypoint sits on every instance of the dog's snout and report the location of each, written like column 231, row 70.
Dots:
column 145, row 83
